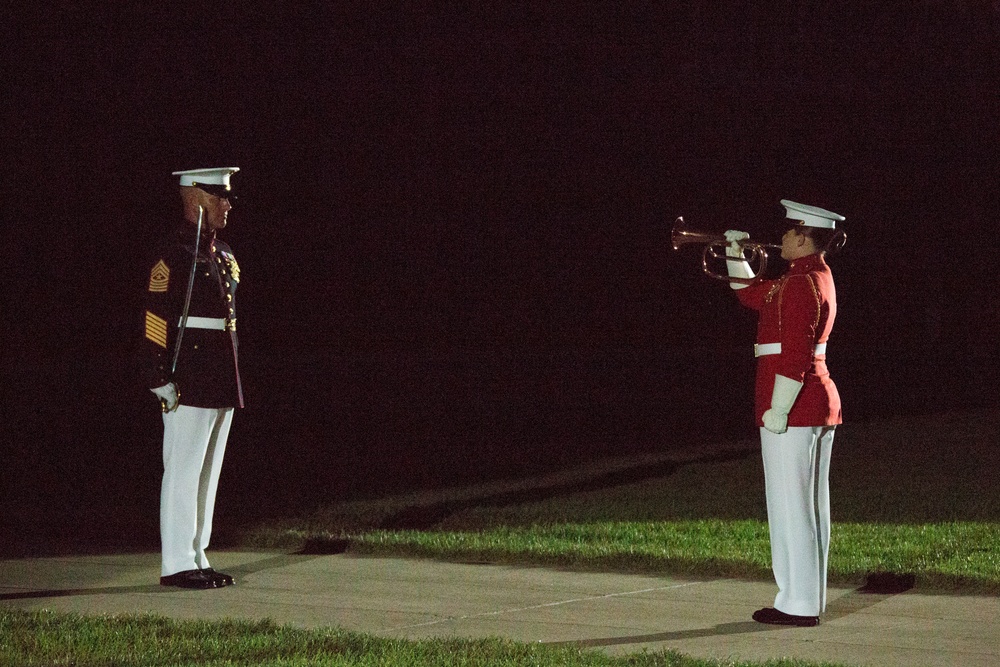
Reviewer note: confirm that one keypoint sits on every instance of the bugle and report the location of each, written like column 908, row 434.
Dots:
column 715, row 248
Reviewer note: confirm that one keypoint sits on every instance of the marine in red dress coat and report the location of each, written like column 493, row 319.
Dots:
column 797, row 311
column 797, row 407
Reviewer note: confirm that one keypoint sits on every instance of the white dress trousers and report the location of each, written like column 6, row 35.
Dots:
column 797, row 482
column 194, row 443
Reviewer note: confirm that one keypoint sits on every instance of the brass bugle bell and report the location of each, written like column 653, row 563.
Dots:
column 715, row 248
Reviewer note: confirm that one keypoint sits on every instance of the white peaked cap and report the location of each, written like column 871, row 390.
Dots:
column 215, row 176
column 811, row 216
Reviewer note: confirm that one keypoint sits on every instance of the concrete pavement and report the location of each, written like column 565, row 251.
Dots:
column 616, row 613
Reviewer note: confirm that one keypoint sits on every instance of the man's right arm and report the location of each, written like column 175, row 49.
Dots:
column 750, row 295
column 736, row 264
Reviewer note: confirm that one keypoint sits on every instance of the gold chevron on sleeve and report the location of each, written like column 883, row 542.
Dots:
column 159, row 277
column 156, row 329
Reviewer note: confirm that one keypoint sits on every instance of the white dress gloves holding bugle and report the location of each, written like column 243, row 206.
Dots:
column 167, row 395
column 738, row 267
column 786, row 390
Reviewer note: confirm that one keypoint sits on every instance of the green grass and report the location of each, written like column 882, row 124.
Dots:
column 44, row 638
column 912, row 496
column 944, row 557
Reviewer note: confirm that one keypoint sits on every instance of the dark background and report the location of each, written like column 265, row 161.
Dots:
column 454, row 231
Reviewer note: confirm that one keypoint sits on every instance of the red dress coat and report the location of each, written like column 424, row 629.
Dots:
column 797, row 311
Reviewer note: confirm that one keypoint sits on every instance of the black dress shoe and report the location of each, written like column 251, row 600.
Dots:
column 220, row 578
column 774, row 617
column 189, row 579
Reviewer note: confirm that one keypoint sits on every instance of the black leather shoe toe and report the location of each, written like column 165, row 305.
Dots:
column 773, row 616
column 220, row 578
column 189, row 579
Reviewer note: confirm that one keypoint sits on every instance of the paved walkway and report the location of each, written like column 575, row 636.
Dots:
column 617, row 613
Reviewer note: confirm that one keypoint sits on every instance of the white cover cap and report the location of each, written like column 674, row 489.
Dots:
column 811, row 216
column 216, row 176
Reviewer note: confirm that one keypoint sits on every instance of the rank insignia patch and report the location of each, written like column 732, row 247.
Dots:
column 156, row 329
column 159, row 277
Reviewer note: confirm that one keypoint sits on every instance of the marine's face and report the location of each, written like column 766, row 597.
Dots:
column 216, row 211
column 791, row 244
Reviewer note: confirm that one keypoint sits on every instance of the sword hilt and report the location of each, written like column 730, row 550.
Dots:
column 164, row 408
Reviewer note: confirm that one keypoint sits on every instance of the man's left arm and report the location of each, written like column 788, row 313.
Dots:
column 799, row 309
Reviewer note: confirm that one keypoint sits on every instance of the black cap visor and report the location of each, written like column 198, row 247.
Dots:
column 220, row 191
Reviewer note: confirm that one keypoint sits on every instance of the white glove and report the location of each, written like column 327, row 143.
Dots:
column 168, row 396
column 734, row 236
column 737, row 267
column 786, row 390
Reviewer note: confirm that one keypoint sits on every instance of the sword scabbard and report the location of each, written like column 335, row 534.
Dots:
column 182, row 325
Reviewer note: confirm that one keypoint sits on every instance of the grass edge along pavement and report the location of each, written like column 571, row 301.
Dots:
column 946, row 558
column 926, row 504
column 48, row 638
column 913, row 497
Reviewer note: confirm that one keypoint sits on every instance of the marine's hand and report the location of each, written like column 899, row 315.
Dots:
column 786, row 390
column 775, row 421
column 737, row 265
column 168, row 395
column 734, row 236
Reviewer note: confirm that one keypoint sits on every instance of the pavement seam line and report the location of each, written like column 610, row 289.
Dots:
column 452, row 619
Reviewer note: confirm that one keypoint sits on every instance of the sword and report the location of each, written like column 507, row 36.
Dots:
column 184, row 313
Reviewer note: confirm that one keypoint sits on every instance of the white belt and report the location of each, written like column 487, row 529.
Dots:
column 216, row 323
column 762, row 350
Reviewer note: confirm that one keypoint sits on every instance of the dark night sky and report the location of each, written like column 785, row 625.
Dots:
column 436, row 200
